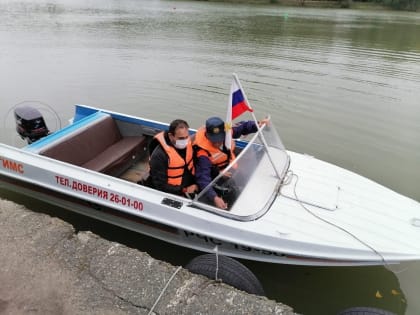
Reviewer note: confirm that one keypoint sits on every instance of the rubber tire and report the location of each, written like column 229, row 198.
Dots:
column 230, row 271
column 364, row 311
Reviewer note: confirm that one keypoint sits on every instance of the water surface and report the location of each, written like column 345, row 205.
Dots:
column 341, row 85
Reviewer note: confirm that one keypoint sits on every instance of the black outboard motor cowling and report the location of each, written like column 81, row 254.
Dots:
column 30, row 124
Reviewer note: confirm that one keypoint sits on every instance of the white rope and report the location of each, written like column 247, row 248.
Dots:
column 164, row 289
column 335, row 225
column 217, row 265
column 288, row 180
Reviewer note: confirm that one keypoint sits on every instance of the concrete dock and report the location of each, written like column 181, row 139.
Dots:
column 47, row 268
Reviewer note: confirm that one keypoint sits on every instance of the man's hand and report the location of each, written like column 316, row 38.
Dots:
column 191, row 189
column 220, row 203
column 265, row 121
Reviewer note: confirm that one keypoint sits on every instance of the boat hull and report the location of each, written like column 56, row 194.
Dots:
column 320, row 214
column 167, row 233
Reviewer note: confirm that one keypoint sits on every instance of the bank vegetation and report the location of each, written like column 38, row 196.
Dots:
column 406, row 5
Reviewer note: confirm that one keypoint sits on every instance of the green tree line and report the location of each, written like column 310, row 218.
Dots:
column 411, row 5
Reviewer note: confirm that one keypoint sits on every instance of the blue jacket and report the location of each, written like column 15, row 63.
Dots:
column 204, row 170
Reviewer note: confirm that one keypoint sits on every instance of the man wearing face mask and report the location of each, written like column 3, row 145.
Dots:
column 213, row 156
column 171, row 163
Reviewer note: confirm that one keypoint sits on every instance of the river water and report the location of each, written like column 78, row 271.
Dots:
column 341, row 85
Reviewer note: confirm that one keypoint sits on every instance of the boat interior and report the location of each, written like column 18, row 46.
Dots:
column 118, row 145
column 96, row 143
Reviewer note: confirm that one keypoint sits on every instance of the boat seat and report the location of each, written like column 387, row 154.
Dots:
column 99, row 147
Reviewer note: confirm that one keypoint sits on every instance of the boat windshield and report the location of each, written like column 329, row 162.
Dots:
column 250, row 183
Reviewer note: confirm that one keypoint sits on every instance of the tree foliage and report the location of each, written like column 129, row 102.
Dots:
column 410, row 5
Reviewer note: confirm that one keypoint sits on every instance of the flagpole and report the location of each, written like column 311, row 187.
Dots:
column 235, row 76
column 228, row 123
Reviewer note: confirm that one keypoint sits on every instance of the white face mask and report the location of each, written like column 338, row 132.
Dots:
column 181, row 144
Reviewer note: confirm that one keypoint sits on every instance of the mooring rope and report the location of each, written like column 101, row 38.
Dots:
column 216, row 274
column 288, row 181
column 335, row 225
column 164, row 289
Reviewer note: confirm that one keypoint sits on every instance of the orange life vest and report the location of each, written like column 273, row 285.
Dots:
column 176, row 164
column 216, row 156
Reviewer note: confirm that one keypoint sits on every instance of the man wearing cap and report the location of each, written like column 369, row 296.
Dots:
column 171, row 163
column 212, row 156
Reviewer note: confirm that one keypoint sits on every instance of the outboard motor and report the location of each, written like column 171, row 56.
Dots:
column 30, row 124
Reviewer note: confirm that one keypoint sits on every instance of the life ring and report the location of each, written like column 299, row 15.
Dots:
column 229, row 270
column 365, row 311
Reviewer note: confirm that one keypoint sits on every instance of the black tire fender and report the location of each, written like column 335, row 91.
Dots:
column 365, row 311
column 230, row 271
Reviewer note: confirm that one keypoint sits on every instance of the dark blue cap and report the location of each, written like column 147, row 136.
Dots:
column 215, row 129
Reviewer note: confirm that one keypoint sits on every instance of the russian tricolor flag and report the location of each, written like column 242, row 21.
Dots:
column 237, row 105
column 238, row 101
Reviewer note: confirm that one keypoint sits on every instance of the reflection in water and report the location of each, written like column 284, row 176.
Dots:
column 342, row 85
column 327, row 290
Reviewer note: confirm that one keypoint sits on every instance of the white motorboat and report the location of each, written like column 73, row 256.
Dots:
column 284, row 207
